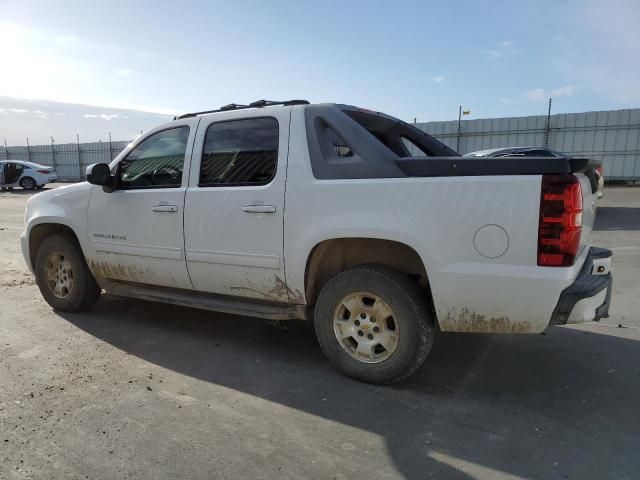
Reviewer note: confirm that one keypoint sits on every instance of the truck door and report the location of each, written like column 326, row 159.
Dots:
column 135, row 233
column 234, row 205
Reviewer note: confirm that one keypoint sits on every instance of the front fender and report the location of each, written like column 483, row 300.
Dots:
column 66, row 206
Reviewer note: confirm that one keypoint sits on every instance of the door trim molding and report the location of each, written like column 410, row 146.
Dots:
column 234, row 258
column 152, row 251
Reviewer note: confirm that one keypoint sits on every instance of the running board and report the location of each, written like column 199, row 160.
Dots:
column 207, row 301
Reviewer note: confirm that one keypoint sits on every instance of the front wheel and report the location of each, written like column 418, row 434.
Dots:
column 27, row 183
column 373, row 324
column 63, row 276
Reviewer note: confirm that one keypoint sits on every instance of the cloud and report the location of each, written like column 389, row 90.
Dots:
column 103, row 116
column 438, row 78
column 565, row 91
column 59, row 65
column 503, row 50
column 536, row 95
column 540, row 94
column 599, row 50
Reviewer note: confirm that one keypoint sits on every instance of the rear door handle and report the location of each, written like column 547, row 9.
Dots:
column 259, row 209
column 165, row 208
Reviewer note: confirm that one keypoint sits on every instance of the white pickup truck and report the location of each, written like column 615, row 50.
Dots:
column 286, row 210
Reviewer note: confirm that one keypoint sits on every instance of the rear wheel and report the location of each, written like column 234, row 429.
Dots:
column 373, row 324
column 63, row 276
column 27, row 183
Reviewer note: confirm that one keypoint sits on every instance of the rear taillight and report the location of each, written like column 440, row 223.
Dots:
column 43, row 171
column 560, row 220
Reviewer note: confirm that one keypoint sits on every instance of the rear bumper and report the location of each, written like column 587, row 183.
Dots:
column 589, row 296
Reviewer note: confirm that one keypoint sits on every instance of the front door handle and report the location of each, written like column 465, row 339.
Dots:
column 259, row 209
column 165, row 208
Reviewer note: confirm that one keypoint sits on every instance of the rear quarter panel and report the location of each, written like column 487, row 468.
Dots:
column 440, row 219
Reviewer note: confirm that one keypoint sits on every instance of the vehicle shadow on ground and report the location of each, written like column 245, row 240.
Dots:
column 617, row 218
column 561, row 405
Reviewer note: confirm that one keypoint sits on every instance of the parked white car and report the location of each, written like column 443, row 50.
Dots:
column 295, row 211
column 28, row 175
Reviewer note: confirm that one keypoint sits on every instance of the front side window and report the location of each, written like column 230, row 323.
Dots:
column 240, row 152
column 157, row 161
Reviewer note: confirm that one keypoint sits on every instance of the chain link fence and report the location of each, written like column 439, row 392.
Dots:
column 69, row 160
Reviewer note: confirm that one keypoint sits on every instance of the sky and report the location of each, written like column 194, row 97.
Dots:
column 412, row 59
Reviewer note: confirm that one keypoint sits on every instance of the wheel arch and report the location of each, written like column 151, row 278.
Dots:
column 332, row 256
column 29, row 177
column 39, row 232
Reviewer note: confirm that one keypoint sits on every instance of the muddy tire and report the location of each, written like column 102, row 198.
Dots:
column 373, row 324
column 28, row 183
column 63, row 276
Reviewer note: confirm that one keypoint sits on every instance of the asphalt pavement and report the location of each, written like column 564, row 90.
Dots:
column 133, row 389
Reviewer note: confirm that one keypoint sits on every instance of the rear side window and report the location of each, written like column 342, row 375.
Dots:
column 240, row 152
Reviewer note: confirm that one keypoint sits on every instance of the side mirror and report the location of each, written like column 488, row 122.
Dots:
column 100, row 174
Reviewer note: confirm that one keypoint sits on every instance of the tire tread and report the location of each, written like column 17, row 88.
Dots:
column 417, row 304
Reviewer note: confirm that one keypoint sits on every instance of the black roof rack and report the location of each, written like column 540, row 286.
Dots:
column 235, row 106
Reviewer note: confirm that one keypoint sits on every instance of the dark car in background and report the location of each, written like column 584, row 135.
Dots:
column 533, row 152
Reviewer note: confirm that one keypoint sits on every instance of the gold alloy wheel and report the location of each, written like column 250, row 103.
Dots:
column 366, row 327
column 59, row 274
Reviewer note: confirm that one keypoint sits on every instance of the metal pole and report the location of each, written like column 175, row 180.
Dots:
column 53, row 154
column 28, row 150
column 79, row 157
column 459, row 128
column 110, row 149
column 6, row 151
column 548, row 126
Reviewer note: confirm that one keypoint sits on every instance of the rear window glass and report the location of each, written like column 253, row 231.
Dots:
column 400, row 137
column 413, row 149
column 340, row 148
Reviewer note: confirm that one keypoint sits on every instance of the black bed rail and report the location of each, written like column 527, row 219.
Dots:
column 465, row 166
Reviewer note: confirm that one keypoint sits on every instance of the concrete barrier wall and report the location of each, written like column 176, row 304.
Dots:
column 612, row 137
